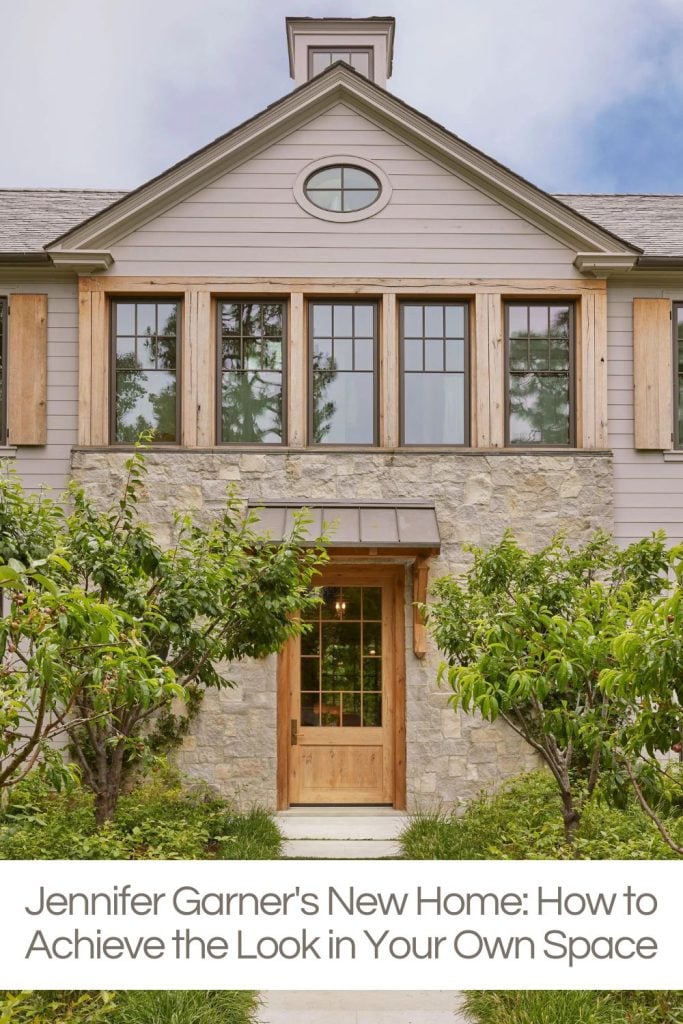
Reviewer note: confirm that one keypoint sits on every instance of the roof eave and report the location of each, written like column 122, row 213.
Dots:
column 601, row 264
column 24, row 259
column 646, row 262
column 83, row 261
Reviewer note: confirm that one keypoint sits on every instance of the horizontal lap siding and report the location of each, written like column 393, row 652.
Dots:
column 247, row 223
column 648, row 491
column 49, row 465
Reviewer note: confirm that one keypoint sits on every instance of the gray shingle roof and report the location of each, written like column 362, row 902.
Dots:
column 653, row 223
column 32, row 217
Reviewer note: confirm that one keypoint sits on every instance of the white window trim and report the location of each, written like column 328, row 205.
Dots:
column 335, row 216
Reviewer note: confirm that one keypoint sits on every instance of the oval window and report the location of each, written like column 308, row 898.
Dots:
column 342, row 188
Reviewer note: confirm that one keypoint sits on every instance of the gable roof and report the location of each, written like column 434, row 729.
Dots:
column 341, row 83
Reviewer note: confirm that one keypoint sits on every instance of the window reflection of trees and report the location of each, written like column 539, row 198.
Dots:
column 146, row 397
column 251, row 384
column 539, row 361
column 343, row 373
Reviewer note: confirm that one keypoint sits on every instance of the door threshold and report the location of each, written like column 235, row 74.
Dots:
column 341, row 810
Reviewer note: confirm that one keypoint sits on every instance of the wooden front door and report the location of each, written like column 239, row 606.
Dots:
column 343, row 734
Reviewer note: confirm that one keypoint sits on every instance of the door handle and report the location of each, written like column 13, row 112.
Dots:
column 294, row 734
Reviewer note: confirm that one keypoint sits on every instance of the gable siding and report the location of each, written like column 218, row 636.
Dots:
column 648, row 490
column 49, row 465
column 247, row 222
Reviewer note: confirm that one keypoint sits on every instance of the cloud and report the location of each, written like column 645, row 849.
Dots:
column 107, row 93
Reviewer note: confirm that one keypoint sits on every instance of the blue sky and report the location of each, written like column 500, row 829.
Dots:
column 580, row 97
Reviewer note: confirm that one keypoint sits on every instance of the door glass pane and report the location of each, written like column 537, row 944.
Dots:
column 372, row 603
column 351, row 703
column 372, row 709
column 341, row 660
column 310, row 708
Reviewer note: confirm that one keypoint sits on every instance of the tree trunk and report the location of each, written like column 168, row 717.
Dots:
column 570, row 817
column 106, row 800
column 109, row 781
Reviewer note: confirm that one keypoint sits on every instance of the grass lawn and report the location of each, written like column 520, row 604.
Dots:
column 127, row 1007
column 576, row 1007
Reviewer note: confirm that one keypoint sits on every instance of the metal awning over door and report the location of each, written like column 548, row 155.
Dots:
column 360, row 525
column 372, row 528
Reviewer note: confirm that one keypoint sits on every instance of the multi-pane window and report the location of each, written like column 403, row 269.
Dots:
column 342, row 188
column 434, row 373
column 343, row 375
column 3, row 371
column 341, row 659
column 358, row 58
column 678, row 369
column 539, row 342
column 145, row 357
column 252, row 344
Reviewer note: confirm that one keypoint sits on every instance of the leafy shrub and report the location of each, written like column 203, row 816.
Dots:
column 576, row 1007
column 57, row 1007
column 127, row 1007
column 521, row 822
column 161, row 820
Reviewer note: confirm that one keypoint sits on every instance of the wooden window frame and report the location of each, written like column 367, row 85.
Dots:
column 331, row 300
column 157, row 300
column 554, row 301
column 282, row 300
column 467, row 413
column 4, row 307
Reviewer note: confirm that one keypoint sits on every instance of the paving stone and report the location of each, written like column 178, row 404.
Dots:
column 341, row 849
column 362, row 1008
column 341, row 827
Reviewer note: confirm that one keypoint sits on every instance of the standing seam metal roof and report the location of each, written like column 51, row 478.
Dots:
column 352, row 524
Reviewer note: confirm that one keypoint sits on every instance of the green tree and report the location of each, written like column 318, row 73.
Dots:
column 532, row 639
column 130, row 625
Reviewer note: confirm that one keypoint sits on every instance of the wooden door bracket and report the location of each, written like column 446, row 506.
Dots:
column 420, row 580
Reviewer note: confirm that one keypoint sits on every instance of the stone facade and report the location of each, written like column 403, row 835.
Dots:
column 450, row 757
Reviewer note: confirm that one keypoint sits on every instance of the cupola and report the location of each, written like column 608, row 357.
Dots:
column 367, row 44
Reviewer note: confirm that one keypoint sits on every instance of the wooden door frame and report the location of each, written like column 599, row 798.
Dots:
column 395, row 575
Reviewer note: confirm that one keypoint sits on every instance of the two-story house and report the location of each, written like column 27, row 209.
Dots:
column 341, row 305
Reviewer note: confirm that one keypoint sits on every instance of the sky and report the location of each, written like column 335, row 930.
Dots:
column 584, row 96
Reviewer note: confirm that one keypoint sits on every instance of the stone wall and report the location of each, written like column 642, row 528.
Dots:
column 450, row 757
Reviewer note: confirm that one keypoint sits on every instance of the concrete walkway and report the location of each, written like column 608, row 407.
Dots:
column 341, row 833
column 362, row 1008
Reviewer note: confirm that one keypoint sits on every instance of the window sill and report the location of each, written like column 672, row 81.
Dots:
column 8, row 452
column 673, row 455
column 324, row 450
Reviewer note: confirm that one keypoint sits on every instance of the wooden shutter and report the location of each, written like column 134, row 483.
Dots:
column 652, row 373
column 27, row 370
